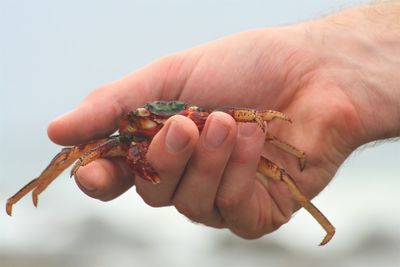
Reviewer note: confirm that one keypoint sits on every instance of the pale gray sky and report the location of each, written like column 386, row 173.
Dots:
column 53, row 53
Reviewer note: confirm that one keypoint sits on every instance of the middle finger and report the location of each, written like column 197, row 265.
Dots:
column 195, row 195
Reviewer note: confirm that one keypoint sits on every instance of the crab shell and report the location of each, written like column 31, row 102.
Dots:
column 146, row 121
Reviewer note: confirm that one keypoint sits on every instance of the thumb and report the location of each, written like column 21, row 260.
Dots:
column 98, row 115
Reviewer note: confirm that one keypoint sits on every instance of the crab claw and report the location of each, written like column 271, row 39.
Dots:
column 150, row 175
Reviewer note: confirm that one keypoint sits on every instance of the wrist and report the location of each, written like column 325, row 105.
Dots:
column 360, row 51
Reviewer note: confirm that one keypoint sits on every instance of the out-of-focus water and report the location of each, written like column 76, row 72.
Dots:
column 52, row 54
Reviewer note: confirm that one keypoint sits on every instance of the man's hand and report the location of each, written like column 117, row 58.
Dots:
column 330, row 79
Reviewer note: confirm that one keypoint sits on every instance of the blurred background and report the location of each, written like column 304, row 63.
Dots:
column 53, row 53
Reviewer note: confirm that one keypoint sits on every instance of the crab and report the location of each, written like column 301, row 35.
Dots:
column 136, row 130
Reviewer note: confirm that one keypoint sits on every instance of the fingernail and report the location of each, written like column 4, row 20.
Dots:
column 217, row 132
column 246, row 129
column 177, row 138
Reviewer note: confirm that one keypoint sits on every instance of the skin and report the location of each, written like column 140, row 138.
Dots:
column 336, row 77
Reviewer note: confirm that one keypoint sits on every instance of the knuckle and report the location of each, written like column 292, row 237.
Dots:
column 151, row 200
column 188, row 210
column 227, row 204
column 99, row 92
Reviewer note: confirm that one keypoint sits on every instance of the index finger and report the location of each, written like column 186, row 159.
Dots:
column 99, row 114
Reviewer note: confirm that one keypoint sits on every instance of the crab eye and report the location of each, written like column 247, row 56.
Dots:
column 194, row 108
column 142, row 112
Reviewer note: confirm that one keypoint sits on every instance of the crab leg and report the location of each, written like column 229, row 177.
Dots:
column 57, row 165
column 270, row 169
column 300, row 155
column 109, row 148
column 253, row 115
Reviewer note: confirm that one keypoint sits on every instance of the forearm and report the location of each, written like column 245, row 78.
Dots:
column 361, row 50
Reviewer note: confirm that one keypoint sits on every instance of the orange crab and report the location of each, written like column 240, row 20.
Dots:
column 136, row 130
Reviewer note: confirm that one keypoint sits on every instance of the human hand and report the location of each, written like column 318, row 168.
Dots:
column 212, row 180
